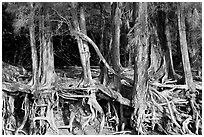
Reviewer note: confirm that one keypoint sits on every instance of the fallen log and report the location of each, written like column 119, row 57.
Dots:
column 15, row 87
column 114, row 95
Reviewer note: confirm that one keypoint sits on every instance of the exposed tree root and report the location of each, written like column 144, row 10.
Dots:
column 26, row 115
column 49, row 104
column 169, row 108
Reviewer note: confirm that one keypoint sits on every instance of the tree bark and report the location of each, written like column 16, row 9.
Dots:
column 186, row 61
column 131, row 49
column 116, row 13
column 85, row 60
column 141, row 66
column 34, row 81
column 41, row 38
column 48, row 75
column 83, row 48
column 115, row 49
column 103, row 46
column 184, row 48
column 87, row 68
column 168, row 37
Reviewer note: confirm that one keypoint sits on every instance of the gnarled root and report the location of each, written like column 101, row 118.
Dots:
column 26, row 114
column 95, row 107
column 49, row 118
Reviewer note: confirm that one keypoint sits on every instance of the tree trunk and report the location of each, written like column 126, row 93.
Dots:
column 48, row 75
column 103, row 46
column 131, row 50
column 184, row 48
column 85, row 47
column 115, row 49
column 168, row 37
column 186, row 62
column 141, row 66
column 41, row 38
column 102, row 25
column 85, row 60
column 116, row 13
column 34, row 81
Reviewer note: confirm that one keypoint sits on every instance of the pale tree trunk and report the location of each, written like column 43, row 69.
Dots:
column 85, row 47
column 141, row 66
column 85, row 60
column 34, row 81
column 168, row 37
column 41, row 38
column 186, row 62
column 184, row 48
column 48, row 75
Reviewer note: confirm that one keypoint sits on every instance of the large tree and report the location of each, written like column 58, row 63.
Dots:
column 35, row 79
column 141, row 66
column 184, row 47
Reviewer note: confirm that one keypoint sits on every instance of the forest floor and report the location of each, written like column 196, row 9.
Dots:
column 71, row 77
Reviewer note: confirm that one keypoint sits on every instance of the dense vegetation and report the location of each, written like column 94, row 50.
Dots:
column 115, row 68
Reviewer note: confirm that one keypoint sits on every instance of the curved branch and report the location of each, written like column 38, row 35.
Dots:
column 86, row 38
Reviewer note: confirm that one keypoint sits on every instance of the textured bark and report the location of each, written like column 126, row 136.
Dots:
column 47, row 70
column 116, row 13
column 168, row 37
column 34, row 81
column 141, row 65
column 83, row 47
column 161, row 28
column 115, row 49
column 184, row 48
column 41, row 38
column 103, row 46
column 87, row 68
column 185, row 60
column 131, row 49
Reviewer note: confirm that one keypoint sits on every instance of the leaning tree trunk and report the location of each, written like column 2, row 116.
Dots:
column 141, row 66
column 34, row 81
